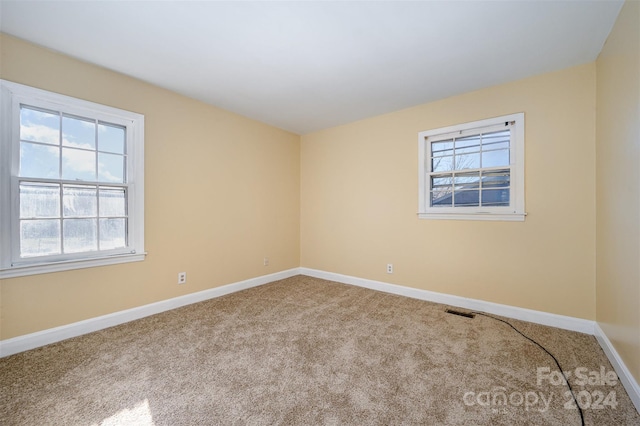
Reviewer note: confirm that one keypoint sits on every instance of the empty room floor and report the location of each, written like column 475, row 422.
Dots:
column 309, row 351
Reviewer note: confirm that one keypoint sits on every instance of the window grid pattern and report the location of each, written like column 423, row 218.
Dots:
column 72, row 184
column 471, row 171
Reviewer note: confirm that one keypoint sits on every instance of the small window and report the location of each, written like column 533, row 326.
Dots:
column 72, row 183
column 473, row 171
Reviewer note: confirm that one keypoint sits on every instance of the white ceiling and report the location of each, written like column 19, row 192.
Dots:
column 309, row 65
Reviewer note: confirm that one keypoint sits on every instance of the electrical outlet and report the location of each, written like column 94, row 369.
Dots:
column 182, row 277
column 389, row 268
column 266, row 261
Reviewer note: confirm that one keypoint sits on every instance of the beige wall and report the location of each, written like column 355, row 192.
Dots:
column 618, row 187
column 359, row 201
column 222, row 191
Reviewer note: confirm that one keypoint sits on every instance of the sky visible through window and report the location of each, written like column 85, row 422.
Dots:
column 45, row 136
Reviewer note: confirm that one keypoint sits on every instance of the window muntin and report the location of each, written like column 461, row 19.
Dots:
column 474, row 170
column 73, row 194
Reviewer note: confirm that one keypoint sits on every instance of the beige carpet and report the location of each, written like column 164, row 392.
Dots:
column 305, row 351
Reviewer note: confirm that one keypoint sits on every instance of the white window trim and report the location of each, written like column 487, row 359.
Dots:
column 514, row 212
column 14, row 94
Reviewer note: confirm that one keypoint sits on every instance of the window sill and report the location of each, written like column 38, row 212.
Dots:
column 45, row 268
column 508, row 217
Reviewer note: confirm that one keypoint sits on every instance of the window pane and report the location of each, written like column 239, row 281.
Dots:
column 39, row 237
column 111, row 138
column 466, row 198
column 495, row 158
column 78, row 164
column 496, row 179
column 439, row 149
column 502, row 136
column 80, row 201
column 112, row 234
column 442, row 164
column 443, row 153
column 38, row 126
column 468, row 142
column 39, row 200
column 39, row 161
column 441, row 197
column 467, row 180
column 467, row 161
column 495, row 197
column 110, row 168
column 80, row 235
column 492, row 146
column 78, row 133
column 446, row 180
column 112, row 202
column 467, row 150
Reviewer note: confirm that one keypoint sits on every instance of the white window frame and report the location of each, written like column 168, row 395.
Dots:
column 516, row 209
column 13, row 95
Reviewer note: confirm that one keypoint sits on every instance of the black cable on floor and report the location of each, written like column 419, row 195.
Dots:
column 550, row 354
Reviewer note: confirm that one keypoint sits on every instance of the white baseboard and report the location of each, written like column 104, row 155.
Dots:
column 625, row 376
column 53, row 335
column 538, row 317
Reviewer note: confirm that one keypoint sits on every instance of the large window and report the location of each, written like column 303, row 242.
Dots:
column 473, row 171
column 72, row 183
